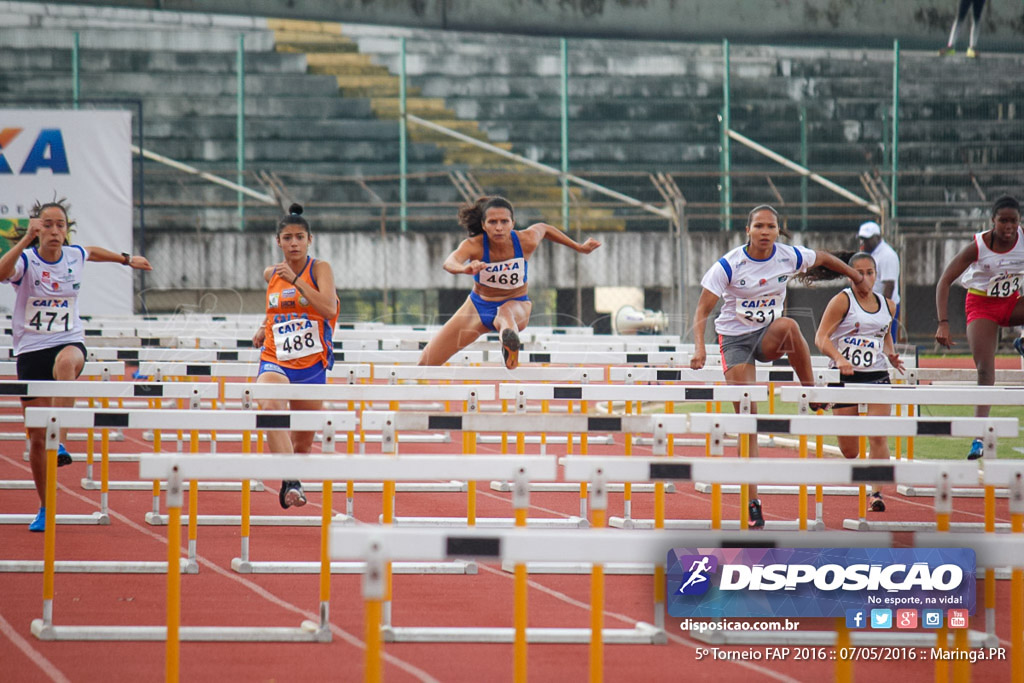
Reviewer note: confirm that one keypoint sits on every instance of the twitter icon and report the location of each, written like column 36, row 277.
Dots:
column 881, row 618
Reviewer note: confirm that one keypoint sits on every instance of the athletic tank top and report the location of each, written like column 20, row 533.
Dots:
column 510, row 274
column 860, row 336
column 297, row 336
column 46, row 300
column 753, row 292
column 995, row 274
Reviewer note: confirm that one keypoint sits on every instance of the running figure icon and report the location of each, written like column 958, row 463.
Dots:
column 697, row 573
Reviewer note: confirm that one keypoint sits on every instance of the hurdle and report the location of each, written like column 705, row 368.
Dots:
column 104, row 371
column 390, row 423
column 356, row 468
column 595, row 547
column 918, row 375
column 103, row 391
column 149, row 354
column 762, row 470
column 912, row 395
column 172, row 633
column 220, row 372
column 193, row 421
column 853, row 425
column 629, row 393
column 469, row 395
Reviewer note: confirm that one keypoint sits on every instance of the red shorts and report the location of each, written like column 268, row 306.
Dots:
column 995, row 308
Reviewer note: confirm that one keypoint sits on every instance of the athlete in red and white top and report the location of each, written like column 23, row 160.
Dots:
column 297, row 335
column 496, row 254
column 46, row 271
column 751, row 281
column 992, row 268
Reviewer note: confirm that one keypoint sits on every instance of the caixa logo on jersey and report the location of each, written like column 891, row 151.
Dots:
column 22, row 156
column 816, row 582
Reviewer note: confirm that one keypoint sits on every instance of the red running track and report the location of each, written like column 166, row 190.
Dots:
column 219, row 596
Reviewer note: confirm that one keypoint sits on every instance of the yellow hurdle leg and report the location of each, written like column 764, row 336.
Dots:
column 50, row 536
column 597, row 611
column 173, row 651
column 802, row 498
column 519, row 608
column 844, row 665
column 374, row 648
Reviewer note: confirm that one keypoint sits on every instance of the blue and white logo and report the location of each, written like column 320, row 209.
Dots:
column 818, row 582
column 881, row 618
column 697, row 573
column 931, row 618
column 856, row 618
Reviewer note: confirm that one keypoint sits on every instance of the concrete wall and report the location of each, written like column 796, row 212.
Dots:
column 918, row 23
column 413, row 261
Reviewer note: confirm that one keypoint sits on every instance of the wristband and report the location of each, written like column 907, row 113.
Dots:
column 295, row 279
column 127, row 258
column 944, row 321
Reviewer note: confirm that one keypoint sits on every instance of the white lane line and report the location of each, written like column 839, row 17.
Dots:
column 407, row 667
column 34, row 655
column 631, row 621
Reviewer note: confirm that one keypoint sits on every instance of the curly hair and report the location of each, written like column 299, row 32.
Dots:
column 471, row 216
column 823, row 274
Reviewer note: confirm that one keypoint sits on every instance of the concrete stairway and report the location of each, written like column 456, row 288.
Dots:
column 331, row 52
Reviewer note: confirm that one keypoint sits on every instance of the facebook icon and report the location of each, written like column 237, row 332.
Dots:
column 856, row 618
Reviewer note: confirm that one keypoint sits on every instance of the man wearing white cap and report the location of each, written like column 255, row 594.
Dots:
column 887, row 282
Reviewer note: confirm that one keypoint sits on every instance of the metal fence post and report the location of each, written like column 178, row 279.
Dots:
column 726, row 160
column 894, row 187
column 240, row 129
column 403, row 152
column 75, row 85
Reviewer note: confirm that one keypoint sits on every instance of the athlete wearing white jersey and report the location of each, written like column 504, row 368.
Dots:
column 854, row 334
column 496, row 255
column 47, row 331
column 991, row 267
column 751, row 280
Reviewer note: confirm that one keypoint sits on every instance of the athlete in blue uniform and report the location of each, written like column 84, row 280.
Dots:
column 496, row 255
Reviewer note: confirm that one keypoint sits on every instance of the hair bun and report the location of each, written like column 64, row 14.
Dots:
column 295, row 209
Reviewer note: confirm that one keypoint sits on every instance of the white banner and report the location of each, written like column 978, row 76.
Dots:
column 84, row 156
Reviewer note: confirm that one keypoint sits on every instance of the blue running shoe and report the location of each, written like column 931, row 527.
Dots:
column 1018, row 344
column 39, row 523
column 63, row 457
column 977, row 448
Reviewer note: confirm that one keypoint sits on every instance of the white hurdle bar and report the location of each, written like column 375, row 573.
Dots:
column 245, row 421
column 916, row 375
column 468, row 396
column 390, row 423
column 521, row 469
column 104, row 392
column 911, row 395
column 708, row 375
column 488, row 373
column 595, row 547
column 606, row 358
column 629, row 393
column 172, row 633
column 104, row 370
column 223, row 370
column 862, row 425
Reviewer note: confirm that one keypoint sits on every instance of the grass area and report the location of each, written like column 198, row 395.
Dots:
column 925, row 448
